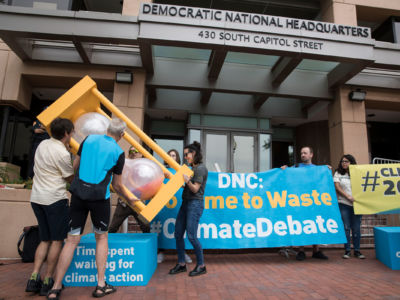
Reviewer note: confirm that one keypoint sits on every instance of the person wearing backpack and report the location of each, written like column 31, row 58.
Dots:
column 98, row 163
column 49, row 201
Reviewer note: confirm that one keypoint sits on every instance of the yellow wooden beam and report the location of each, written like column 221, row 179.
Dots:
column 84, row 97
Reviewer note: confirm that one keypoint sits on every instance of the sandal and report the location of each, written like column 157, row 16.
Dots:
column 105, row 290
column 54, row 292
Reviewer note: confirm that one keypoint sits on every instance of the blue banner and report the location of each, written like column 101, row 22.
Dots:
column 291, row 207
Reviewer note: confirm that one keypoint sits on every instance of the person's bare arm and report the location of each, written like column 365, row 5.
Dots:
column 121, row 189
column 77, row 160
column 69, row 178
column 194, row 187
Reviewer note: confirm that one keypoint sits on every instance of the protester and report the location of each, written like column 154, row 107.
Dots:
column 345, row 198
column 99, row 157
column 191, row 210
column 306, row 155
column 49, row 200
column 122, row 211
column 175, row 155
column 39, row 134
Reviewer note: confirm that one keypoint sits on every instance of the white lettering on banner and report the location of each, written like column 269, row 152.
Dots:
column 206, row 229
column 167, row 234
column 263, row 228
column 398, row 254
column 121, row 251
column 226, row 231
column 123, row 277
column 92, row 265
column 82, row 250
column 238, row 180
column 76, row 277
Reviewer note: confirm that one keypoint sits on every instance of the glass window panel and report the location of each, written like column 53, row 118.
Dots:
column 216, row 152
column 194, row 119
column 317, row 65
column 264, row 152
column 171, row 128
column 243, row 154
column 264, row 124
column 168, row 144
column 251, row 59
column 396, row 32
column 194, row 135
column 181, row 52
column 232, row 122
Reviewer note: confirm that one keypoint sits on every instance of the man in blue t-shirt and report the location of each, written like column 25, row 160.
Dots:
column 306, row 155
column 99, row 157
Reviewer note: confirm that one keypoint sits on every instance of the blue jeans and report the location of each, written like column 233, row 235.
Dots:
column 188, row 219
column 351, row 222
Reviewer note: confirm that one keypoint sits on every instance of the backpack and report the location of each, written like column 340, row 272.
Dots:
column 31, row 239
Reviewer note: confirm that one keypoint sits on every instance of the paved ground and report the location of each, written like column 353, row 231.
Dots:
column 243, row 276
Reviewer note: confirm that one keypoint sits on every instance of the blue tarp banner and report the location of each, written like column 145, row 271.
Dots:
column 291, row 207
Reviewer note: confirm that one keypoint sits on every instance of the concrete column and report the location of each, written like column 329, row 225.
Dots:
column 347, row 128
column 336, row 11
column 132, row 7
column 15, row 90
column 130, row 99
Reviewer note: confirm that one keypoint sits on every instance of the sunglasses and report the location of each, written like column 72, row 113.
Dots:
column 133, row 151
column 186, row 154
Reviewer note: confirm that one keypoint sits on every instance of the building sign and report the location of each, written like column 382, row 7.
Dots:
column 181, row 24
column 191, row 14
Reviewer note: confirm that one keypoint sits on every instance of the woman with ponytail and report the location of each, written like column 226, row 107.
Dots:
column 191, row 210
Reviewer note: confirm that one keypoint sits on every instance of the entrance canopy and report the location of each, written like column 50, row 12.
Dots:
column 202, row 59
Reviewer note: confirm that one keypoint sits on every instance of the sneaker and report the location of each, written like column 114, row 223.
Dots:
column 300, row 255
column 188, row 260
column 177, row 269
column 346, row 255
column 359, row 255
column 319, row 255
column 34, row 285
column 198, row 271
column 160, row 257
column 46, row 287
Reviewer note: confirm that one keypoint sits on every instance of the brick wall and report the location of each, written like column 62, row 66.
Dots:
column 367, row 228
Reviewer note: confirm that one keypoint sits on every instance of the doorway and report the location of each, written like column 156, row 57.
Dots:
column 233, row 152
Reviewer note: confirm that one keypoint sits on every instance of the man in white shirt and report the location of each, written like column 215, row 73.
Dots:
column 49, row 200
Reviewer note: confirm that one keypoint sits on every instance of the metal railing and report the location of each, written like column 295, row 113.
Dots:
column 379, row 160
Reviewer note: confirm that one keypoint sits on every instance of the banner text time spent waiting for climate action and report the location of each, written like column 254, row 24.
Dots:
column 241, row 210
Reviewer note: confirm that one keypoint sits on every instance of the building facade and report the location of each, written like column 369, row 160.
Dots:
column 252, row 80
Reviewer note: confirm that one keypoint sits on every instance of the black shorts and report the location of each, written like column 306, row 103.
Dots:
column 53, row 220
column 99, row 213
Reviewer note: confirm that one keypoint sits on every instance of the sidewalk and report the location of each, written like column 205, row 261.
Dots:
column 243, row 276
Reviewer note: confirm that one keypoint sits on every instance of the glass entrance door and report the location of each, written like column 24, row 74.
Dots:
column 242, row 153
column 230, row 152
column 216, row 145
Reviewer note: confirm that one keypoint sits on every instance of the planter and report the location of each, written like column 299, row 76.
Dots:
column 9, row 172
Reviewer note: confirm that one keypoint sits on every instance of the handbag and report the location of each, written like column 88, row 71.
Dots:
column 90, row 191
